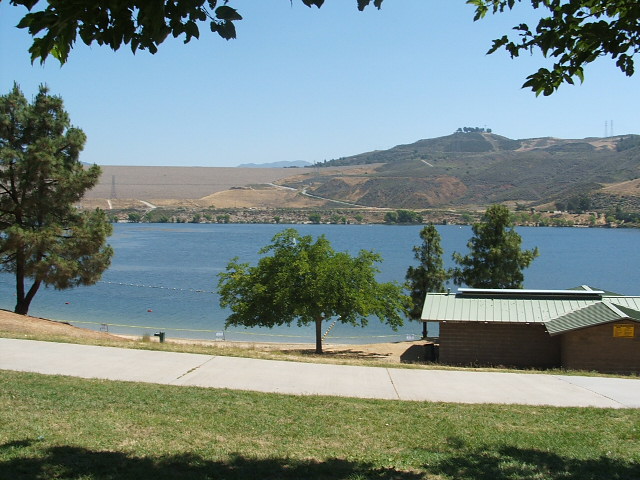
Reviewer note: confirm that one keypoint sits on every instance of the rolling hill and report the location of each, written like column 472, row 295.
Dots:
column 462, row 170
column 479, row 168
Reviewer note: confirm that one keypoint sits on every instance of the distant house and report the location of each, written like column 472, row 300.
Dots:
column 581, row 329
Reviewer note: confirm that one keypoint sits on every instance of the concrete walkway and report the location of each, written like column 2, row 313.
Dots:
column 316, row 379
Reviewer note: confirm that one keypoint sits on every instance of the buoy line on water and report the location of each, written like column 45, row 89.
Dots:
column 160, row 287
column 169, row 329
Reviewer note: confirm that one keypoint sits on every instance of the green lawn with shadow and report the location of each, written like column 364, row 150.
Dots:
column 54, row 427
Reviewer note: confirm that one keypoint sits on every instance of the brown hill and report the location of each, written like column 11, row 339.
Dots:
column 474, row 168
column 480, row 168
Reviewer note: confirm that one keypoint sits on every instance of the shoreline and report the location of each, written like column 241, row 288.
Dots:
column 21, row 326
column 226, row 343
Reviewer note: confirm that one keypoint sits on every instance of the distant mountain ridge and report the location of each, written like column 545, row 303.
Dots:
column 282, row 164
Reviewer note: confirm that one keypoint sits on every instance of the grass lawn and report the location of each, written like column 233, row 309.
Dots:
column 60, row 427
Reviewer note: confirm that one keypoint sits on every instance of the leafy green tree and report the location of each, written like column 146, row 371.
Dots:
column 391, row 217
column 409, row 216
column 403, row 216
column 430, row 275
column 315, row 217
column 308, row 282
column 44, row 238
column 496, row 259
column 335, row 218
column 574, row 33
column 466, row 217
column 134, row 217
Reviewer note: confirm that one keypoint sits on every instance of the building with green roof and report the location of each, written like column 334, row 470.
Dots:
column 581, row 329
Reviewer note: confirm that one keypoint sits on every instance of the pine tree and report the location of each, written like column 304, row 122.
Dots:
column 430, row 275
column 44, row 238
column 495, row 259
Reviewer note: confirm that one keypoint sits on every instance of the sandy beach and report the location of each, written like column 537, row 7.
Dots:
column 392, row 352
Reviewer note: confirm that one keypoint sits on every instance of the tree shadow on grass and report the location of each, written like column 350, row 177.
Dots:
column 510, row 463
column 342, row 353
column 68, row 462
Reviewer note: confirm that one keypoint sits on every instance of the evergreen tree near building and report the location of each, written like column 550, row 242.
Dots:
column 430, row 275
column 44, row 238
column 496, row 259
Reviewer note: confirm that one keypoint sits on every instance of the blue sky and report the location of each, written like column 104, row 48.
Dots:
column 313, row 84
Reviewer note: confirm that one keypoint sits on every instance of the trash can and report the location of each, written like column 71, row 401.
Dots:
column 160, row 336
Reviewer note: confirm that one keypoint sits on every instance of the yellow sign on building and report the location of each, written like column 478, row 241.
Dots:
column 624, row 331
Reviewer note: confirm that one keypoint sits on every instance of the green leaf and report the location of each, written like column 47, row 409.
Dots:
column 310, row 3
column 191, row 30
column 226, row 30
column 227, row 13
column 497, row 44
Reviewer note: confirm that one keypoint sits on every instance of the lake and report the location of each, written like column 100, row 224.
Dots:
column 163, row 276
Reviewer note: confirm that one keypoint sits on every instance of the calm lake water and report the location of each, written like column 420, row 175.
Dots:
column 163, row 276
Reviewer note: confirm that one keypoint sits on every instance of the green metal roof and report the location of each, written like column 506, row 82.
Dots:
column 585, row 317
column 606, row 293
column 559, row 310
column 629, row 312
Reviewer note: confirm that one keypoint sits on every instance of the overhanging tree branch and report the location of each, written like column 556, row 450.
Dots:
column 573, row 32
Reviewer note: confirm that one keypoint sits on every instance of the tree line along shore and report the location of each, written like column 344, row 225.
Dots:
column 359, row 216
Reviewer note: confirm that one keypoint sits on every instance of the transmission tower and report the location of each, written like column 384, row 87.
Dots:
column 113, row 187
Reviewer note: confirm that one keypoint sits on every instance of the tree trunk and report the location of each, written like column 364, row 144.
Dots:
column 24, row 301
column 319, row 335
column 22, row 307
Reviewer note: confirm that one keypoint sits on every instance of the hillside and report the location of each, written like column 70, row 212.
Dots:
column 482, row 168
column 462, row 170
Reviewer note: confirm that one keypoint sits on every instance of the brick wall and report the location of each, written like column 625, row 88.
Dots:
column 517, row 345
column 596, row 348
